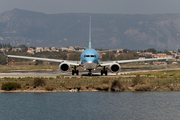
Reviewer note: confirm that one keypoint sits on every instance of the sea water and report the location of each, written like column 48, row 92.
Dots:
column 90, row 106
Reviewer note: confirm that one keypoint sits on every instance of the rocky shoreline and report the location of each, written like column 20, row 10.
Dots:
column 104, row 88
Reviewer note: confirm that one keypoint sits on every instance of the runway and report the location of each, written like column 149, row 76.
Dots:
column 50, row 73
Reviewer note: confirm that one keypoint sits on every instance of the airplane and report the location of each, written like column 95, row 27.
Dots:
column 89, row 60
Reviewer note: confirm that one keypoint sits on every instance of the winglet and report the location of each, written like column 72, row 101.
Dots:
column 3, row 50
column 90, row 32
column 176, row 51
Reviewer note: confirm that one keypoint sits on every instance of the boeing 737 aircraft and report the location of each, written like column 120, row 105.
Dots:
column 89, row 60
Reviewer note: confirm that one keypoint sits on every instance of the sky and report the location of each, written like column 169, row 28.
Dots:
column 94, row 6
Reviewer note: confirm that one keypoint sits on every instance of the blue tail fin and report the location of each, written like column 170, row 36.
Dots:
column 90, row 33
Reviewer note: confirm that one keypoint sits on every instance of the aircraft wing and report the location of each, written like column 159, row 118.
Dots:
column 136, row 60
column 129, row 61
column 105, row 51
column 74, row 51
column 75, row 63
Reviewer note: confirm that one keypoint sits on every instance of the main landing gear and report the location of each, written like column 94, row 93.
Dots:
column 104, row 71
column 75, row 71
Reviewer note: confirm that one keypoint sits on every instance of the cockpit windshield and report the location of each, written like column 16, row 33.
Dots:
column 90, row 56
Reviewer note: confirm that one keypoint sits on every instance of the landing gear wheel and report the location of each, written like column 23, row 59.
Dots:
column 73, row 72
column 89, row 74
column 77, row 72
column 101, row 72
column 106, row 72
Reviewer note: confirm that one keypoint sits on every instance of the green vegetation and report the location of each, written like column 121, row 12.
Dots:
column 136, row 80
column 48, row 88
column 116, row 85
column 139, row 81
column 10, row 86
column 38, row 82
column 43, row 66
column 6, row 45
column 151, row 50
column 167, row 52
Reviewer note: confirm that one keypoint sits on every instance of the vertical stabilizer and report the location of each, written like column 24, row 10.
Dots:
column 90, row 32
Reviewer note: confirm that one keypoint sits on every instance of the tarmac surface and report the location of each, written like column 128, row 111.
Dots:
column 50, row 73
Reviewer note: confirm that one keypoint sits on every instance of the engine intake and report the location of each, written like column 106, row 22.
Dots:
column 63, row 67
column 115, row 67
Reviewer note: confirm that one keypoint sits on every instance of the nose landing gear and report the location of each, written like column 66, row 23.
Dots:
column 89, row 74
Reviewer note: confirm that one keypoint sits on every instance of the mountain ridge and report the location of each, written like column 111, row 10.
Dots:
column 108, row 30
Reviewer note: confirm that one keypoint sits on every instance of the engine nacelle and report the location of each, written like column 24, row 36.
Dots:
column 64, row 67
column 115, row 67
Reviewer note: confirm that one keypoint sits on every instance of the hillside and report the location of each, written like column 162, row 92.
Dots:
column 108, row 30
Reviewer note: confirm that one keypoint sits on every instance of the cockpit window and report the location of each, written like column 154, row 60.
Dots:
column 90, row 56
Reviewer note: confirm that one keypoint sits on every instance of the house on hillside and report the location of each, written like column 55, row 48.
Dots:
column 68, row 54
column 119, row 50
column 174, row 63
column 100, row 55
column 47, row 49
column 16, row 49
column 142, row 58
column 64, row 48
column 81, row 50
column 30, row 51
column 162, row 55
column 71, row 48
column 39, row 49
column 5, row 49
column 116, row 54
column 54, row 49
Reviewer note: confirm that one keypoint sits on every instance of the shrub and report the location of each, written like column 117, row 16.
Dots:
column 51, row 78
column 48, row 88
column 58, row 77
column 137, row 80
column 116, row 86
column 10, row 86
column 38, row 82
column 105, row 81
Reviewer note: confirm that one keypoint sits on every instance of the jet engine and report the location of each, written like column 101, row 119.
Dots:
column 63, row 67
column 115, row 67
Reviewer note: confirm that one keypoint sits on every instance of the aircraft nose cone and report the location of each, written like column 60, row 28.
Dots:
column 90, row 65
column 89, row 62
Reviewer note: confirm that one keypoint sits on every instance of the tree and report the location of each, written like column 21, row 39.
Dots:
column 74, row 56
column 32, row 47
column 2, row 59
column 167, row 52
column 6, row 46
column 39, row 62
column 63, row 56
column 125, row 50
column 108, row 56
column 151, row 50
column 23, row 48
column 104, row 57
